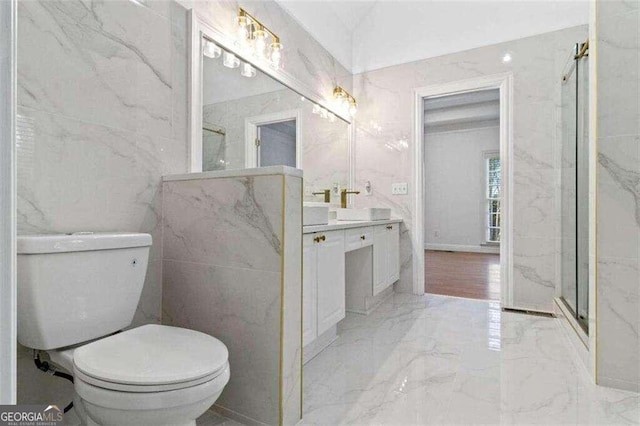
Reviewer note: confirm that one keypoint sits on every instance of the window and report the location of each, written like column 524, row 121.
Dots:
column 494, row 184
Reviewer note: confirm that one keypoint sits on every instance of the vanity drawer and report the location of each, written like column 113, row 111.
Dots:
column 356, row 238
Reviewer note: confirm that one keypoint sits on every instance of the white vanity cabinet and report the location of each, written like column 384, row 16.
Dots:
column 323, row 282
column 386, row 256
column 372, row 250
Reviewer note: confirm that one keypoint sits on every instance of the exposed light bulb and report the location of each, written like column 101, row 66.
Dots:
column 324, row 113
column 230, row 60
column 247, row 70
column 332, row 117
column 353, row 109
column 276, row 54
column 507, row 58
column 316, row 109
column 211, row 50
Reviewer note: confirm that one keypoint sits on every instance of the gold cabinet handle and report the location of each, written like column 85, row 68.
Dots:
column 363, row 237
column 322, row 238
column 389, row 227
column 316, row 239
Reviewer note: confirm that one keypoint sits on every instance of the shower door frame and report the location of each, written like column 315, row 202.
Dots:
column 581, row 327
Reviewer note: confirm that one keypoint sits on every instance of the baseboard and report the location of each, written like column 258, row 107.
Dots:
column 464, row 248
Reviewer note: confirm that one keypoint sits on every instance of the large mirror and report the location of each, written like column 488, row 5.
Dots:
column 249, row 119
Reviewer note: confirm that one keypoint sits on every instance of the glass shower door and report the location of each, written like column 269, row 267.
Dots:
column 575, row 188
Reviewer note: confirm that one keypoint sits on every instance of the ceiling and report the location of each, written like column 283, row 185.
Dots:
column 366, row 35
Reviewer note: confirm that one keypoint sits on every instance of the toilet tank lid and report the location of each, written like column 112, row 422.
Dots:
column 80, row 241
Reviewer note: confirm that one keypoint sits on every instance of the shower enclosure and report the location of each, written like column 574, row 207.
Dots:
column 575, row 186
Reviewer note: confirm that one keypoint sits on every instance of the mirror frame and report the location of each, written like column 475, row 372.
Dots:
column 200, row 28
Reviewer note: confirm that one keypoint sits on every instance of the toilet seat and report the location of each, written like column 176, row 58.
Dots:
column 141, row 401
column 151, row 358
column 80, row 376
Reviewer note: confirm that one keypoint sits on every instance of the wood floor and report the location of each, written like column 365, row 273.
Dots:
column 471, row 275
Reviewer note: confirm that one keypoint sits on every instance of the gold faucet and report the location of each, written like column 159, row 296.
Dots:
column 326, row 193
column 343, row 197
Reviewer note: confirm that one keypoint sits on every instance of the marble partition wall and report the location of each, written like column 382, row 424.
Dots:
column 384, row 149
column 616, row 37
column 232, row 268
column 324, row 144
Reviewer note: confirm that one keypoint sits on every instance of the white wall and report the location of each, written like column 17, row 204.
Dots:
column 455, row 206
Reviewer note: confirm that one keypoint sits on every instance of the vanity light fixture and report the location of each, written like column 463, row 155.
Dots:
column 346, row 101
column 230, row 60
column 254, row 32
column 247, row 70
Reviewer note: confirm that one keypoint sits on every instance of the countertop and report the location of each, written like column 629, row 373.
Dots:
column 334, row 225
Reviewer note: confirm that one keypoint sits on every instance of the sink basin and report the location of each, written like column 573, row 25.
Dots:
column 315, row 214
column 371, row 213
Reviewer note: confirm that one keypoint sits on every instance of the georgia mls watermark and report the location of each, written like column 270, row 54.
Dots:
column 31, row 415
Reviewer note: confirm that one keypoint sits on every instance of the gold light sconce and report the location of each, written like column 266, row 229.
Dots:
column 264, row 42
column 346, row 101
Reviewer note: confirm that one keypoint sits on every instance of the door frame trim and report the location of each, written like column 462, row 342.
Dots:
column 504, row 83
column 8, row 215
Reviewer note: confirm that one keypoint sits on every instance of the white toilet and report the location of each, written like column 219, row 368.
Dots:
column 74, row 292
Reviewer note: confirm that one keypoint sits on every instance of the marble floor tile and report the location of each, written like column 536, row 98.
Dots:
column 431, row 359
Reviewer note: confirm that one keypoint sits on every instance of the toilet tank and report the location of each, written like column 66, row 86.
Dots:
column 77, row 287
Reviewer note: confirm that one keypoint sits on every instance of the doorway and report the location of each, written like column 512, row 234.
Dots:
column 277, row 144
column 462, row 173
column 273, row 140
column 462, row 194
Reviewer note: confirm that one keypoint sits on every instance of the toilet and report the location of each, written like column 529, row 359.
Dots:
column 77, row 294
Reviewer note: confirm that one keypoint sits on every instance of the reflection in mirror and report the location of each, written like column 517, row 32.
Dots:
column 251, row 120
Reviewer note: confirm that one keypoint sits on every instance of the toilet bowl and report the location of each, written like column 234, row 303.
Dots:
column 148, row 375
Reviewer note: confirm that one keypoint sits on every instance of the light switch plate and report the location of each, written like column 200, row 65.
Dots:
column 399, row 188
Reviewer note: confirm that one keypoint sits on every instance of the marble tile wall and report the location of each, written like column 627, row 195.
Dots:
column 224, row 275
column 325, row 144
column 617, row 35
column 101, row 107
column 384, row 146
column 103, row 115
